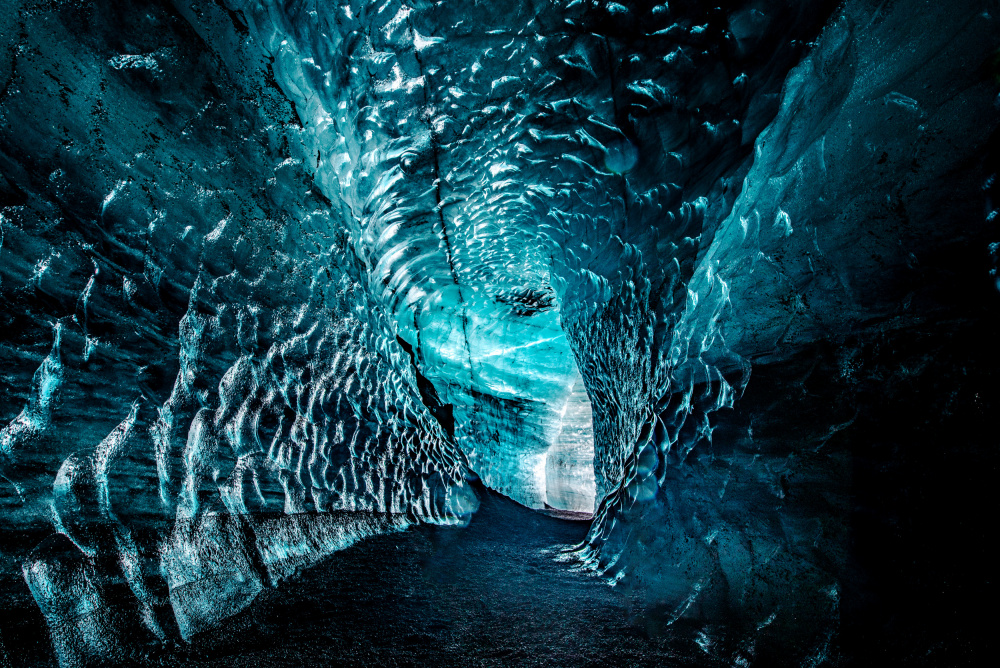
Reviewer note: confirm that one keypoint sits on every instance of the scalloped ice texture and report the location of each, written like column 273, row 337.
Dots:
column 505, row 172
column 440, row 215
column 279, row 275
column 347, row 257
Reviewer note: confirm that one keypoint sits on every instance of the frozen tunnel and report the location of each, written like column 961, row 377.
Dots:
column 523, row 332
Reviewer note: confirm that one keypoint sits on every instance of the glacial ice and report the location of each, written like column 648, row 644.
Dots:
column 330, row 266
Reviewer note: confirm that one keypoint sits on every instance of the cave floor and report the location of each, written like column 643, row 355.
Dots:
column 490, row 594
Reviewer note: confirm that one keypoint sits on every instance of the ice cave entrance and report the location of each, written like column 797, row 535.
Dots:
column 569, row 461
column 522, row 415
column 531, row 436
column 544, row 459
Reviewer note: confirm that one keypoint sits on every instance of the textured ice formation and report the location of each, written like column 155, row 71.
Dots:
column 326, row 265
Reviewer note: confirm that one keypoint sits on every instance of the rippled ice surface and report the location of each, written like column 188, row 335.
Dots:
column 279, row 277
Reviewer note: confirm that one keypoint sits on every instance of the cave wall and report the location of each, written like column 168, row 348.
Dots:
column 276, row 276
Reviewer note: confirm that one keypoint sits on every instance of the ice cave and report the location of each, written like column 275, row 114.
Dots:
column 499, row 332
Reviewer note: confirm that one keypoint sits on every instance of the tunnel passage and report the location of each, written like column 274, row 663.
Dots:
column 280, row 276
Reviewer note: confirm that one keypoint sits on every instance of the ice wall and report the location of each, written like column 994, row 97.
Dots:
column 166, row 261
column 324, row 263
column 835, row 242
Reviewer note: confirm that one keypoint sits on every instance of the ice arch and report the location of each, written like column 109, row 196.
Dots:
column 276, row 276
